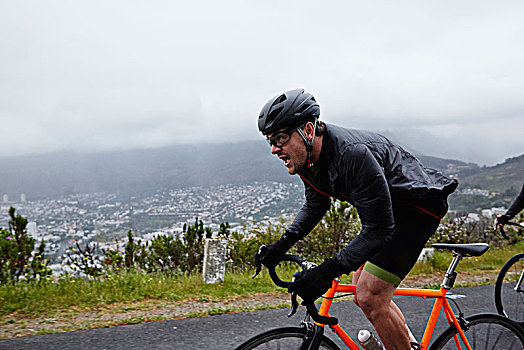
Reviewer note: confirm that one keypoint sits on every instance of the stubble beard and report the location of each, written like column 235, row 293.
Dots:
column 297, row 167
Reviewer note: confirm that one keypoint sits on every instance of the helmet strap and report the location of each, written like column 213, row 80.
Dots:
column 309, row 143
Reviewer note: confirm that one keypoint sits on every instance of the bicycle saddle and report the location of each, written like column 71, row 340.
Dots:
column 470, row 249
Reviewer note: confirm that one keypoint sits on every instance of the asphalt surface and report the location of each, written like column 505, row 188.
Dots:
column 228, row 331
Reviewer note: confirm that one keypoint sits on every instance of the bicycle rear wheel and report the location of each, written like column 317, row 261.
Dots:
column 485, row 331
column 284, row 338
column 509, row 299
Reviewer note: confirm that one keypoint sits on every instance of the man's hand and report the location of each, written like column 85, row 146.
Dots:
column 502, row 220
column 313, row 283
column 270, row 254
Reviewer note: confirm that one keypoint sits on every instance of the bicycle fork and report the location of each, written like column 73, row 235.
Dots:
column 313, row 336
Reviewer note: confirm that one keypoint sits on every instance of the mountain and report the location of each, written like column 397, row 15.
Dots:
column 450, row 167
column 499, row 178
column 501, row 183
column 469, row 145
column 139, row 171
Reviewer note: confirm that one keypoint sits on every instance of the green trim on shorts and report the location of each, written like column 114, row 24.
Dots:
column 382, row 274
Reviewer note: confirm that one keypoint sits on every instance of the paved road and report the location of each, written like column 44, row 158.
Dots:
column 227, row 331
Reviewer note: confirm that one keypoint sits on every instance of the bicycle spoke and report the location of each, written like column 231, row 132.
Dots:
column 512, row 297
column 289, row 338
column 485, row 331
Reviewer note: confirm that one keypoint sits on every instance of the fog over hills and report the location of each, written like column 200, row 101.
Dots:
column 141, row 171
column 499, row 178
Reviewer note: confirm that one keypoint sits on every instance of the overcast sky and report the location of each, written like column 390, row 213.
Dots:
column 446, row 77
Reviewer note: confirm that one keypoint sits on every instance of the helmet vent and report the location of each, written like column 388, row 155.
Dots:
column 275, row 112
column 280, row 99
column 302, row 108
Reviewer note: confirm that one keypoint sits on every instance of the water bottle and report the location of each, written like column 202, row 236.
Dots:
column 368, row 341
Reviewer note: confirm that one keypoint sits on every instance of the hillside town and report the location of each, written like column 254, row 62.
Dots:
column 106, row 218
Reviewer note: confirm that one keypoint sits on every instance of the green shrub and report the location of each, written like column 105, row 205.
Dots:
column 459, row 230
column 242, row 247
column 84, row 260
column 183, row 254
column 339, row 226
column 17, row 257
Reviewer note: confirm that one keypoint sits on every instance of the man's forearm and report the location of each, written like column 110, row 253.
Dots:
column 517, row 205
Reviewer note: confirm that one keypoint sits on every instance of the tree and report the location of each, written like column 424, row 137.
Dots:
column 130, row 250
column 225, row 230
column 16, row 252
column 242, row 247
column 24, row 243
column 39, row 263
column 166, row 254
column 8, row 256
column 339, row 226
column 194, row 245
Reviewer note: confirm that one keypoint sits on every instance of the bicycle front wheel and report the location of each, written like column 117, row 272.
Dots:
column 509, row 289
column 284, row 338
column 484, row 331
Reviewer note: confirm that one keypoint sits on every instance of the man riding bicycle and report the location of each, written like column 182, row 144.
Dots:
column 514, row 209
column 399, row 202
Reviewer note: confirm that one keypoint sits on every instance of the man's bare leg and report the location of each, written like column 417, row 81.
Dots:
column 374, row 298
column 356, row 275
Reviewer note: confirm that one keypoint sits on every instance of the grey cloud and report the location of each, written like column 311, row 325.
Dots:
column 104, row 75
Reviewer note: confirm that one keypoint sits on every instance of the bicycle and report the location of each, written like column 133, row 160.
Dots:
column 488, row 330
column 509, row 288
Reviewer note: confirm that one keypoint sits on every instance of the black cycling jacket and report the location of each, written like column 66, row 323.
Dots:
column 517, row 205
column 370, row 172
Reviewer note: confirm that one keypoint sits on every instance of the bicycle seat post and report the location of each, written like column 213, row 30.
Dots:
column 451, row 274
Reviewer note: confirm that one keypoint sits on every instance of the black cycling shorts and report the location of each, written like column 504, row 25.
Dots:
column 414, row 225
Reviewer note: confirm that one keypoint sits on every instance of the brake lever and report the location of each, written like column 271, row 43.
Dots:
column 294, row 301
column 259, row 268
column 294, row 304
column 500, row 228
column 503, row 232
column 258, row 262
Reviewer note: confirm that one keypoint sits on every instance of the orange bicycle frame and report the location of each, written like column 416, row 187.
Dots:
column 441, row 303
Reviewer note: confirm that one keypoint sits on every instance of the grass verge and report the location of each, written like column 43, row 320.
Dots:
column 75, row 303
column 46, row 297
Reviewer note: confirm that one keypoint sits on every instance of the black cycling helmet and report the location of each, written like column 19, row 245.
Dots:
column 290, row 109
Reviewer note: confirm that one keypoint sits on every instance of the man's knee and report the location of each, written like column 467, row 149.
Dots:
column 372, row 304
column 373, row 295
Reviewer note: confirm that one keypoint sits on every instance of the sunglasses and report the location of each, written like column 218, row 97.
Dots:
column 281, row 138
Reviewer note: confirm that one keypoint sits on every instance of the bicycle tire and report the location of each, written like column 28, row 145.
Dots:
column 485, row 331
column 509, row 302
column 284, row 338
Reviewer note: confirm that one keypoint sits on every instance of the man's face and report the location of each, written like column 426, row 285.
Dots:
column 293, row 152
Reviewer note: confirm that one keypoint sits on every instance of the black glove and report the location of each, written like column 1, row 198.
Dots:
column 313, row 283
column 270, row 254
column 502, row 219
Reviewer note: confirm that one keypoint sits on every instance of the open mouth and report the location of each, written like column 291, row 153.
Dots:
column 285, row 159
